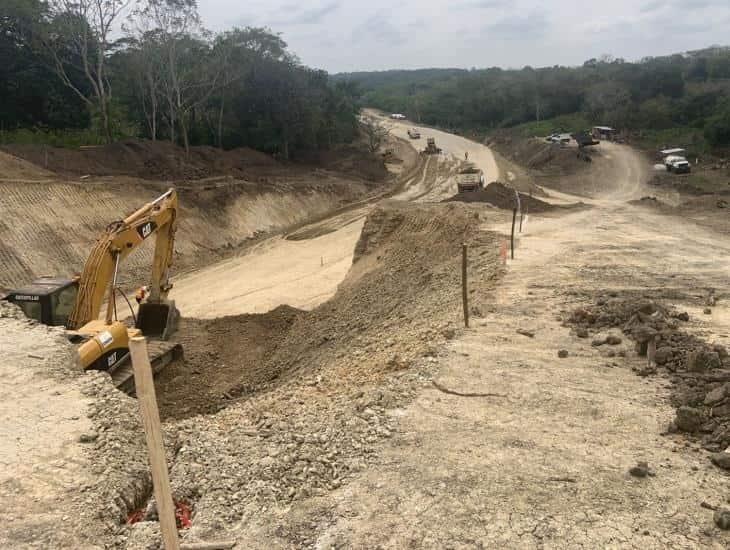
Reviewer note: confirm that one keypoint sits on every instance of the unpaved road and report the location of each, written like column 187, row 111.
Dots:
column 546, row 465
column 543, row 461
column 305, row 273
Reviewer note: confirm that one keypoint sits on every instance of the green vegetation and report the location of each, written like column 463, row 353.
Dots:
column 681, row 100
column 65, row 80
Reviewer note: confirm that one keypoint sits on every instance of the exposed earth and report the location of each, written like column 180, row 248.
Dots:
column 330, row 397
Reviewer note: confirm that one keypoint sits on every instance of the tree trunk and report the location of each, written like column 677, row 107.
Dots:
column 220, row 123
column 184, row 132
column 106, row 120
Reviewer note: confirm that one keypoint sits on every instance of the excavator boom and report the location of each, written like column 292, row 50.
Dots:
column 120, row 239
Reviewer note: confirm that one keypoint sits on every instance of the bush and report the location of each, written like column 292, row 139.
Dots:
column 717, row 129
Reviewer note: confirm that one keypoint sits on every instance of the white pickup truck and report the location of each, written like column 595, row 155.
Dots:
column 677, row 164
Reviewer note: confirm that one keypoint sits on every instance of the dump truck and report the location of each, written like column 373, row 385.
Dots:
column 469, row 179
column 431, row 148
column 76, row 303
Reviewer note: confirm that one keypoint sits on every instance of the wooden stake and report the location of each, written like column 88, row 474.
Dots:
column 223, row 545
column 155, row 446
column 651, row 352
column 464, row 294
column 512, row 238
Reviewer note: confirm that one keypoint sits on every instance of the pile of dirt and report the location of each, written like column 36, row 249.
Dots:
column 224, row 357
column 401, row 296
column 156, row 160
column 14, row 168
column 699, row 371
column 649, row 201
column 162, row 160
column 538, row 154
column 396, row 303
column 503, row 196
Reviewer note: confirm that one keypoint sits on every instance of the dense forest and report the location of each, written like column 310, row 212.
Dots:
column 686, row 95
column 76, row 71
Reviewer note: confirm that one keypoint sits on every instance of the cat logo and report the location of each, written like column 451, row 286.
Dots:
column 111, row 359
column 146, row 229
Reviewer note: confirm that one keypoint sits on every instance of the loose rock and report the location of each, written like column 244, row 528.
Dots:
column 563, row 353
column 640, row 470
column 688, row 419
column 703, row 360
column 722, row 518
column 721, row 460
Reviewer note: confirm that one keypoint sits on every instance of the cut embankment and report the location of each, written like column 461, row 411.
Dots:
column 400, row 299
column 49, row 228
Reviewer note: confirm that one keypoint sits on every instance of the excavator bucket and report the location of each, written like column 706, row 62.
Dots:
column 157, row 320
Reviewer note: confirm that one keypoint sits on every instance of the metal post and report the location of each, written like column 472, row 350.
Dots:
column 464, row 293
column 512, row 238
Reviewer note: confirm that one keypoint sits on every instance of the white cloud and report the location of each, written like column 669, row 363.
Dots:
column 345, row 35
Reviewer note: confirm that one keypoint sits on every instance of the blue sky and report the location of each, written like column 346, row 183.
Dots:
column 345, row 35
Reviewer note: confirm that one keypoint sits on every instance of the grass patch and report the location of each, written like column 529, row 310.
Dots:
column 691, row 139
column 564, row 123
column 70, row 138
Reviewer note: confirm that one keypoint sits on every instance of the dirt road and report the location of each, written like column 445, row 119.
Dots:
column 544, row 460
column 304, row 273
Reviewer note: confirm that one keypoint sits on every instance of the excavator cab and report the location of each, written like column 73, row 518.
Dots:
column 48, row 300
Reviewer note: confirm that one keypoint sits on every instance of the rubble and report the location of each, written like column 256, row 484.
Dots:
column 700, row 371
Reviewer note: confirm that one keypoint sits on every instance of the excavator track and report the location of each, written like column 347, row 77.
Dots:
column 161, row 353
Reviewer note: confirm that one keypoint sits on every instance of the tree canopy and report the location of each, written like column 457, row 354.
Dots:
column 653, row 94
column 166, row 77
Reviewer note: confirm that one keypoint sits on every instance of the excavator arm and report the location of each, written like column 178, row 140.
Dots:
column 98, row 279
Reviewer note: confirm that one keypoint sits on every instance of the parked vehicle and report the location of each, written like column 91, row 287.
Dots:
column 398, row 116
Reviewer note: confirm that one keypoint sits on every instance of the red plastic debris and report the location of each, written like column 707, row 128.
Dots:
column 183, row 515
column 135, row 516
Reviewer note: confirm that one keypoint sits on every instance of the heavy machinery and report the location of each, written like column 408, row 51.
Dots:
column 103, row 344
column 413, row 133
column 469, row 179
column 431, row 148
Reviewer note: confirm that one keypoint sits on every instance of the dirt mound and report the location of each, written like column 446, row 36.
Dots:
column 144, row 159
column 649, row 201
column 14, row 168
column 699, row 371
column 503, row 196
column 224, row 357
column 538, row 154
column 399, row 300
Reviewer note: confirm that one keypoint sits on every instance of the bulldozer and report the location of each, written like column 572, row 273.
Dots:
column 76, row 303
column 431, row 148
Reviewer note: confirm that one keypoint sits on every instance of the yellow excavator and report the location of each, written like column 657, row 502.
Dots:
column 103, row 344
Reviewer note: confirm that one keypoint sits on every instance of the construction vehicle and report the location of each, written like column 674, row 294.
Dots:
column 431, row 148
column 413, row 133
column 103, row 344
column 469, row 179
